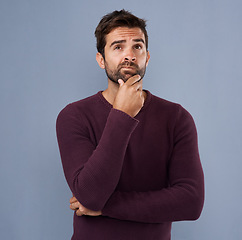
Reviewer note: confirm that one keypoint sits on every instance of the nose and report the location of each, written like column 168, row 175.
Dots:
column 130, row 55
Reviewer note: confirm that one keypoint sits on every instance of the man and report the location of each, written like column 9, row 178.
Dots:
column 130, row 158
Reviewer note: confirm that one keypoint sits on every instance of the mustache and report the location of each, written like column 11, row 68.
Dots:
column 127, row 64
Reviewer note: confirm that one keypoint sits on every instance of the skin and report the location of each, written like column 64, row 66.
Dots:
column 129, row 50
column 126, row 59
column 81, row 210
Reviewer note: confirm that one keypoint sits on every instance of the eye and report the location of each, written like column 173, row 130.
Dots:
column 138, row 46
column 117, row 47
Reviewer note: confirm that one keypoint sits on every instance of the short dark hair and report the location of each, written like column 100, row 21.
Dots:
column 114, row 20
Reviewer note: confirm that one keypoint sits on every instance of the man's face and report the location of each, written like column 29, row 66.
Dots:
column 125, row 54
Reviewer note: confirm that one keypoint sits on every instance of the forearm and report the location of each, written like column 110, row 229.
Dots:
column 181, row 202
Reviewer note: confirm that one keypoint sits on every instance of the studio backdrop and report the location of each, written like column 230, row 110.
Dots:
column 47, row 60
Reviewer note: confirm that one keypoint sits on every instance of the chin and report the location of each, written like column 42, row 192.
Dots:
column 127, row 76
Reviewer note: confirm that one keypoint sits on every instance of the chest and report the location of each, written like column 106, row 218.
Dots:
column 146, row 161
column 147, row 158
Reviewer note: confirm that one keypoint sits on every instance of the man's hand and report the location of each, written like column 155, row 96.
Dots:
column 81, row 210
column 130, row 98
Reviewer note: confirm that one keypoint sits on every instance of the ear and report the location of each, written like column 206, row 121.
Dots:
column 100, row 60
column 148, row 58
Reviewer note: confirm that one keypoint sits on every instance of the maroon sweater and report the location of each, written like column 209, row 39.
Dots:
column 142, row 172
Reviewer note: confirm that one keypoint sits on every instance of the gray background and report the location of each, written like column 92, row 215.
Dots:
column 47, row 59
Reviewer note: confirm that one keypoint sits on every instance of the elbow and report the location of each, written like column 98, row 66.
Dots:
column 89, row 193
column 196, row 202
column 196, row 208
column 196, row 213
column 192, row 204
column 89, row 199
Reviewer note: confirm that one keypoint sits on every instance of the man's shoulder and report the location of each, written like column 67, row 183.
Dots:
column 84, row 103
column 171, row 110
column 164, row 103
column 82, row 106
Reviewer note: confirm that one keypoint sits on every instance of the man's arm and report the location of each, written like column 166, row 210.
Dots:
column 92, row 172
column 182, row 200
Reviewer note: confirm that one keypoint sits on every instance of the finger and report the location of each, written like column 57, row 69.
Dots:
column 73, row 199
column 121, row 82
column 79, row 213
column 75, row 206
column 138, row 85
column 84, row 211
column 131, row 81
column 94, row 213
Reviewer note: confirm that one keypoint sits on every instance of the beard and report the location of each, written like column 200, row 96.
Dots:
column 120, row 73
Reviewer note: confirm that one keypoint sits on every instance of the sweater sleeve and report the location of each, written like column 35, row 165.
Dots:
column 183, row 199
column 92, row 172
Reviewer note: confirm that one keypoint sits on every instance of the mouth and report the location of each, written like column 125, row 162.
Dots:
column 128, row 71
column 128, row 68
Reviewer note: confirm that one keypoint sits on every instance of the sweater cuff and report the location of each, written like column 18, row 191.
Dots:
column 123, row 114
column 122, row 121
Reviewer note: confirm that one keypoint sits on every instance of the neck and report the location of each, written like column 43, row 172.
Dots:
column 110, row 93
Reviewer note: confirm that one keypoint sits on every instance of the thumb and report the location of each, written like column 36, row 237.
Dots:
column 121, row 82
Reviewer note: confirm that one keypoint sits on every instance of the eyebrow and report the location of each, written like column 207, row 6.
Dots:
column 117, row 42
column 123, row 41
column 139, row 40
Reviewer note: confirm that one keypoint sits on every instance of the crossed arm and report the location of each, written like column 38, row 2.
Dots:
column 182, row 200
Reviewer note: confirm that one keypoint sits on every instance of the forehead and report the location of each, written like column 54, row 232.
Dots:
column 124, row 33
